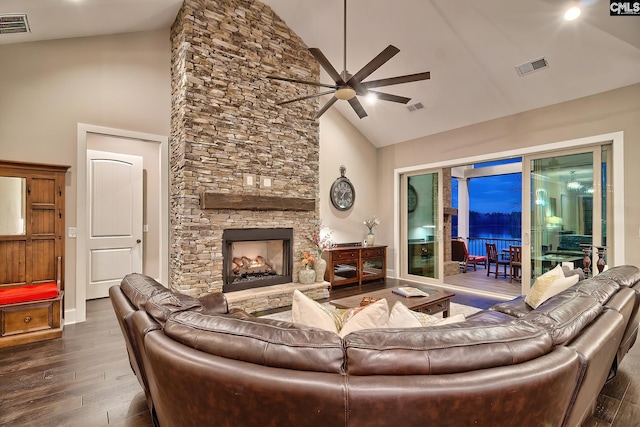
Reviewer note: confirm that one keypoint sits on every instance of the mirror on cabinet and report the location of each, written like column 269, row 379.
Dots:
column 13, row 205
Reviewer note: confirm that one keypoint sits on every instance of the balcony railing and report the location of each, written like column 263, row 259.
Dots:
column 477, row 246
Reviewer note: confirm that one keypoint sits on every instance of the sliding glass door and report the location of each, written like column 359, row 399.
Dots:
column 421, row 215
column 567, row 215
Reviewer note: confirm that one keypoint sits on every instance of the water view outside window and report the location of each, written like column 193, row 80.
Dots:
column 495, row 208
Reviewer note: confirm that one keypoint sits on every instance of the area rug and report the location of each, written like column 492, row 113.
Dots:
column 455, row 309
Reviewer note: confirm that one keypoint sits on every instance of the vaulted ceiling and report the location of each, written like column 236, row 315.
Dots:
column 471, row 48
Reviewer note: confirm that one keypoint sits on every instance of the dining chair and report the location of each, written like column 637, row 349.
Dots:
column 515, row 263
column 493, row 257
column 459, row 254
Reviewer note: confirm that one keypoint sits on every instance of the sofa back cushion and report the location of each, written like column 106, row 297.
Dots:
column 487, row 339
column 624, row 275
column 262, row 341
column 515, row 307
column 163, row 304
column 139, row 288
column 565, row 315
column 600, row 287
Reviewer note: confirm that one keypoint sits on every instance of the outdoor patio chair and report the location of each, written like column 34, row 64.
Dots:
column 493, row 257
column 515, row 262
column 460, row 253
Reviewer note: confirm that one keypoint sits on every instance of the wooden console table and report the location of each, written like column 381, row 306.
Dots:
column 355, row 264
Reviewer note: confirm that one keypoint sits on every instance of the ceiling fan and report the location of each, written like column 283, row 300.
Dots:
column 347, row 87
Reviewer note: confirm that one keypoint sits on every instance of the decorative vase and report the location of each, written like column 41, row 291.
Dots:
column 306, row 276
column 320, row 267
column 370, row 239
column 601, row 263
column 586, row 262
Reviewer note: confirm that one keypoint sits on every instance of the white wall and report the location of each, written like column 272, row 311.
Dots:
column 343, row 144
column 47, row 88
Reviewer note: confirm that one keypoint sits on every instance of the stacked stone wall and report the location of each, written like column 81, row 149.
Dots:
column 225, row 124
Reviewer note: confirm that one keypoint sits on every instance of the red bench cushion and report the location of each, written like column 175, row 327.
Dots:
column 28, row 293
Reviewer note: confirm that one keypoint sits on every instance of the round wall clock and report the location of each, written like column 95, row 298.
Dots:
column 342, row 192
column 412, row 198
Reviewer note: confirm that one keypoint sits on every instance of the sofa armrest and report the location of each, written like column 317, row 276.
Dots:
column 214, row 303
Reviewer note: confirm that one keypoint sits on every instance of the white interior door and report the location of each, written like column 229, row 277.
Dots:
column 114, row 219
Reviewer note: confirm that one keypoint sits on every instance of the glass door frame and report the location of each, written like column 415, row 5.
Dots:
column 616, row 239
column 527, row 201
column 404, row 222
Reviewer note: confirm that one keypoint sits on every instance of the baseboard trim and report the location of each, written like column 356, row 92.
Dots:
column 70, row 316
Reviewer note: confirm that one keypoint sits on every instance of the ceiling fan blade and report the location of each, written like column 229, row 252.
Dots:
column 325, row 107
column 324, row 62
column 373, row 65
column 397, row 80
column 315, row 95
column 389, row 97
column 285, row 79
column 357, row 107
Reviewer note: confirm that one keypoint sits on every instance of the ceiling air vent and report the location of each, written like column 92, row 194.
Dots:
column 14, row 23
column 414, row 107
column 530, row 67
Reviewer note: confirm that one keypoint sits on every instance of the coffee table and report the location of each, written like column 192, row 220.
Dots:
column 437, row 301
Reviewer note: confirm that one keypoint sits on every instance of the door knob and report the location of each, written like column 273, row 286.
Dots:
column 138, row 241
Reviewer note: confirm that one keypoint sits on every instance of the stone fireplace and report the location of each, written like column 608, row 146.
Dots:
column 256, row 257
column 237, row 160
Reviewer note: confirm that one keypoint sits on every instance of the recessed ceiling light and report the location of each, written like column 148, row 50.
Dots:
column 572, row 13
column 372, row 98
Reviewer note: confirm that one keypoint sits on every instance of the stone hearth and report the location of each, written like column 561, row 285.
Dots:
column 267, row 298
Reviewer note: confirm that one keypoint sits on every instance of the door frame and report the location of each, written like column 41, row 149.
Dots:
column 79, row 313
column 615, row 138
column 402, row 268
column 596, row 151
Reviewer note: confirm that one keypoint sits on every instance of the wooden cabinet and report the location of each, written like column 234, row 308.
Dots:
column 31, row 248
column 355, row 264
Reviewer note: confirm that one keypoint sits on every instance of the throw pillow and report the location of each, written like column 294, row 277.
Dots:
column 308, row 312
column 549, row 284
column 452, row 319
column 569, row 272
column 375, row 315
column 402, row 317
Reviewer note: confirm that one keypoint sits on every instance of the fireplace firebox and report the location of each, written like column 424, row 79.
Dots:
column 256, row 257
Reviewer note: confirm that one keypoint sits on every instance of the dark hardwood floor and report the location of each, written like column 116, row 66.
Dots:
column 84, row 378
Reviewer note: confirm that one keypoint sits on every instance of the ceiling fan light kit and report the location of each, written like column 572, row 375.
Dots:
column 348, row 87
column 345, row 93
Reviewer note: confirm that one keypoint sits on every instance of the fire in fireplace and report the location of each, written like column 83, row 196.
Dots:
column 256, row 257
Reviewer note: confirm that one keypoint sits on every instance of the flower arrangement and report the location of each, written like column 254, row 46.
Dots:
column 371, row 222
column 321, row 238
column 306, row 259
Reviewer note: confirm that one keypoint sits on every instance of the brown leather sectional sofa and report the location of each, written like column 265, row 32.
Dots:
column 200, row 364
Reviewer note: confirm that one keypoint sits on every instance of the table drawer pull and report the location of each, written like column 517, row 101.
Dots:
column 27, row 319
